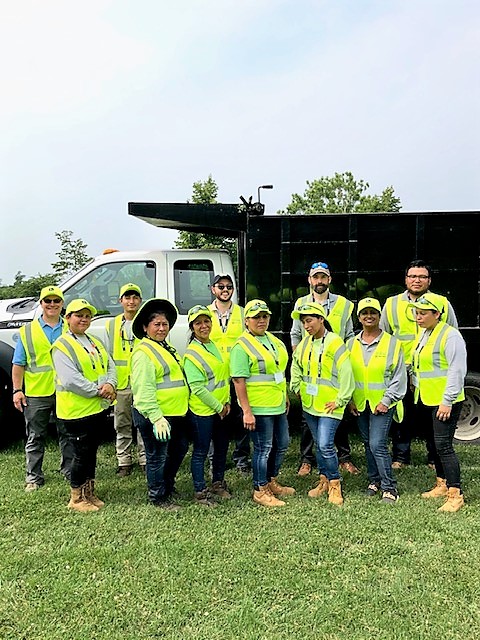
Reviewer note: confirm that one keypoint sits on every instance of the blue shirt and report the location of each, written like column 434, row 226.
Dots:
column 52, row 333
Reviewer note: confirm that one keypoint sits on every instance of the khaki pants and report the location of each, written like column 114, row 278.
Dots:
column 123, row 428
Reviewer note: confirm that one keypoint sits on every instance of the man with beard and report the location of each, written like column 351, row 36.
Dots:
column 398, row 319
column 339, row 314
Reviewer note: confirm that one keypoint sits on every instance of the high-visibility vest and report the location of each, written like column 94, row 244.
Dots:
column 216, row 375
column 402, row 322
column 337, row 316
column 372, row 380
column 172, row 388
column 120, row 350
column 323, row 374
column 39, row 376
column 262, row 389
column 430, row 367
column 71, row 406
column 235, row 328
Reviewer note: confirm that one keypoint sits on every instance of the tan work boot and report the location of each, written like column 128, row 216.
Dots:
column 265, row 497
column 320, row 488
column 278, row 489
column 78, row 502
column 335, row 492
column 439, row 489
column 89, row 494
column 305, row 469
column 454, row 502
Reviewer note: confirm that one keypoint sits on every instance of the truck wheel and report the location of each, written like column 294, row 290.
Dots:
column 12, row 421
column 468, row 427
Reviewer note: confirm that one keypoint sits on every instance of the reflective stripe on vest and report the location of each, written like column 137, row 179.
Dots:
column 71, row 406
column 39, row 376
column 324, row 374
column 216, row 376
column 120, row 356
column 262, row 389
column 235, row 327
column 172, row 389
column 430, row 367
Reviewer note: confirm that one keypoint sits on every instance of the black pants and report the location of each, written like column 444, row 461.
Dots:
column 83, row 435
column 417, row 422
column 341, row 443
column 446, row 461
column 233, row 424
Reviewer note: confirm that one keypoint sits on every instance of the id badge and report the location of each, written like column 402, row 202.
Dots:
column 278, row 376
column 312, row 389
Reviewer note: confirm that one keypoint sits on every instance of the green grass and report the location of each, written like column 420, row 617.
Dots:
column 309, row 570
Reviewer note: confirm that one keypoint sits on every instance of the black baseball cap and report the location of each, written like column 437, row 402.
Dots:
column 219, row 277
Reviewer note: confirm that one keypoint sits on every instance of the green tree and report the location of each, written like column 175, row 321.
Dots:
column 24, row 287
column 205, row 192
column 71, row 257
column 341, row 193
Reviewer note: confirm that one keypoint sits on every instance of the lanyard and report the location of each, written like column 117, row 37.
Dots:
column 223, row 317
column 310, row 355
column 171, row 350
column 271, row 349
column 94, row 354
column 125, row 338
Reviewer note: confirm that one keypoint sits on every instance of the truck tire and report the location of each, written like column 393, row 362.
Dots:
column 468, row 427
column 12, row 421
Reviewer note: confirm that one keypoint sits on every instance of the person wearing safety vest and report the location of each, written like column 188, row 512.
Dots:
column 207, row 373
column 257, row 366
column 227, row 326
column 339, row 315
column 85, row 381
column 398, row 319
column 160, row 399
column 321, row 374
column 438, row 368
column 34, row 386
column 380, row 384
column 120, row 343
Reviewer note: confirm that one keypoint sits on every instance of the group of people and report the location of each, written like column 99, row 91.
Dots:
column 407, row 362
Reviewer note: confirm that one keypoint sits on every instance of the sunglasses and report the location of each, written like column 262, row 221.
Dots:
column 50, row 300
column 321, row 265
column 197, row 308
column 258, row 306
column 306, row 307
column 224, row 286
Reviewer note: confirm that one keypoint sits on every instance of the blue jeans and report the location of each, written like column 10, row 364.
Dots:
column 156, row 457
column 374, row 433
column 270, row 443
column 323, row 432
column 206, row 429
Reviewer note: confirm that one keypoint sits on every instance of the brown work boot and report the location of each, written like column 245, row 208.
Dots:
column 220, row 489
column 278, row 489
column 335, row 492
column 305, row 469
column 439, row 489
column 454, row 502
column 265, row 497
column 78, row 502
column 320, row 487
column 123, row 472
column 349, row 467
column 89, row 494
column 396, row 465
column 204, row 498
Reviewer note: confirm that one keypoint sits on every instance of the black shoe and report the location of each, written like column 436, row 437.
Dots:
column 390, row 496
column 244, row 470
column 372, row 489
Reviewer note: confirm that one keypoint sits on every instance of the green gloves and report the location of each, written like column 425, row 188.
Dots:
column 161, row 429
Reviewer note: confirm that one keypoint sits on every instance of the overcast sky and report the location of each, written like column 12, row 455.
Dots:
column 106, row 102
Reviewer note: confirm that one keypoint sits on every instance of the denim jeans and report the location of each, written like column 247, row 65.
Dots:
column 323, row 432
column 341, row 443
column 82, row 434
column 374, row 433
column 206, row 429
column 446, row 461
column 155, row 458
column 270, row 442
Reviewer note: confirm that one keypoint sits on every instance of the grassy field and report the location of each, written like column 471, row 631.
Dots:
column 309, row 570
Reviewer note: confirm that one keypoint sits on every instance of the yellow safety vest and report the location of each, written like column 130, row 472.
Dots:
column 71, row 406
column 401, row 319
column 324, row 374
column 262, row 389
column 172, row 388
column 39, row 376
column 216, row 376
column 337, row 316
column 371, row 381
column 430, row 367
column 120, row 350
column 235, row 328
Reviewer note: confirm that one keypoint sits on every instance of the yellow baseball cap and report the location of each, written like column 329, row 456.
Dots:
column 308, row 309
column 428, row 301
column 198, row 310
column 368, row 303
column 130, row 286
column 254, row 307
column 78, row 304
column 51, row 291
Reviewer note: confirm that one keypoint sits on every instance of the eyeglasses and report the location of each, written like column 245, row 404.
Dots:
column 415, row 277
column 197, row 308
column 224, row 286
column 50, row 300
column 258, row 306
column 322, row 265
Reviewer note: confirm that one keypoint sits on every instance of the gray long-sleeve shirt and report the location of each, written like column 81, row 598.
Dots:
column 297, row 331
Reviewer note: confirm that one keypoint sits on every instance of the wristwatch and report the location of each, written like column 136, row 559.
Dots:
column 16, row 391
